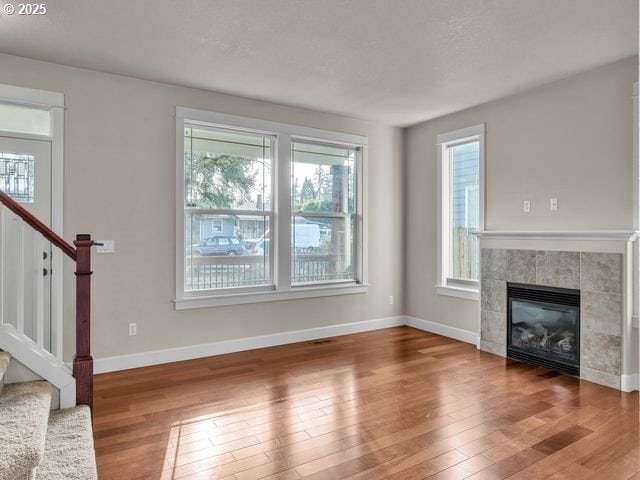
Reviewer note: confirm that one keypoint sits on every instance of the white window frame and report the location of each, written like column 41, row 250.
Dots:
column 281, row 215
column 459, row 288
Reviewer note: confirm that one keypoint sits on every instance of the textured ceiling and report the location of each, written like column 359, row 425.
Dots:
column 395, row 61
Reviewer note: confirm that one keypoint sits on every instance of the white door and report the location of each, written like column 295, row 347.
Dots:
column 25, row 174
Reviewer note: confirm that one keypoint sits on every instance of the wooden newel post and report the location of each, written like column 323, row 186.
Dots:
column 83, row 362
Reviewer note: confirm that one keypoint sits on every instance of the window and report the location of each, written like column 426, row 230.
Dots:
column 266, row 211
column 17, row 176
column 227, row 177
column 324, row 213
column 22, row 119
column 461, row 205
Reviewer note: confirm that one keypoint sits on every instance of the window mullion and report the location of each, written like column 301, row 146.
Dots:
column 282, row 240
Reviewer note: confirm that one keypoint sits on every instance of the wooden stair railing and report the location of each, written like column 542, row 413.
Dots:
column 80, row 253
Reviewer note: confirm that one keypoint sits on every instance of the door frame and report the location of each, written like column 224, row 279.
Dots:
column 53, row 102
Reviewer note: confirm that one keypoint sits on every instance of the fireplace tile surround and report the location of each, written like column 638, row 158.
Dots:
column 597, row 275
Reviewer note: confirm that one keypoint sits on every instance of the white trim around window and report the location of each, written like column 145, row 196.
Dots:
column 465, row 289
column 280, row 212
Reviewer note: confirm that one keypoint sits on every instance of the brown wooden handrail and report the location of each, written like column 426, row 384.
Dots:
column 81, row 255
column 36, row 224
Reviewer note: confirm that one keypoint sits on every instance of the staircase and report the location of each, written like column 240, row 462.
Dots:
column 37, row 443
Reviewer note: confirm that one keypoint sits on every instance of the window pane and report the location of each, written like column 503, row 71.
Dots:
column 233, row 257
column 323, row 178
column 323, row 249
column 16, row 118
column 464, row 161
column 17, row 176
column 227, row 169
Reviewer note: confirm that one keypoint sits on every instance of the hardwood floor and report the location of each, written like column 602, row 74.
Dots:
column 396, row 403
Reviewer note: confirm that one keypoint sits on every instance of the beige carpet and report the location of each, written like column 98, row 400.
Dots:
column 64, row 459
column 24, row 412
column 37, row 443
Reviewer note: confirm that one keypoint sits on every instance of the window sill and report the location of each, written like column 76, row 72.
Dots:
column 187, row 303
column 467, row 293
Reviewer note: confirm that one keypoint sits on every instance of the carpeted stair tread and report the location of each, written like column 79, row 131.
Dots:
column 24, row 413
column 69, row 453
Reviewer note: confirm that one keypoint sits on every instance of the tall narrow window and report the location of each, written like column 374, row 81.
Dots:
column 461, row 200
column 324, row 221
column 227, row 207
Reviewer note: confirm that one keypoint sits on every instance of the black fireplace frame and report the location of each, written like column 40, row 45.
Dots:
column 549, row 296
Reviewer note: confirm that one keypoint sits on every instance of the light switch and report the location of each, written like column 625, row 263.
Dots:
column 553, row 204
column 108, row 246
column 526, row 206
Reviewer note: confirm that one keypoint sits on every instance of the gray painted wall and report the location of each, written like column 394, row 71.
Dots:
column 571, row 139
column 116, row 124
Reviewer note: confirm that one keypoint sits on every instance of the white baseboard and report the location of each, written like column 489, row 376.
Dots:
column 155, row 357
column 630, row 382
column 466, row 336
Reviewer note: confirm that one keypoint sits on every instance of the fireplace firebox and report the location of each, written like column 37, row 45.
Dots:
column 543, row 326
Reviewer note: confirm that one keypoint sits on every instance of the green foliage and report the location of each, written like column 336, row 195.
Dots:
column 221, row 181
column 307, row 192
column 316, row 206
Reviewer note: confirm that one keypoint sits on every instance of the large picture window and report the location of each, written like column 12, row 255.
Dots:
column 266, row 211
column 461, row 165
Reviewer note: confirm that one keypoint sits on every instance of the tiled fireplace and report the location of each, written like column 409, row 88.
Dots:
column 592, row 283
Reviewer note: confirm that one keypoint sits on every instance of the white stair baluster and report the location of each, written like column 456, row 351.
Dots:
column 20, row 277
column 57, row 317
column 39, row 288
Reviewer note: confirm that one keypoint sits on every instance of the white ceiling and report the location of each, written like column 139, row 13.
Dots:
column 395, row 61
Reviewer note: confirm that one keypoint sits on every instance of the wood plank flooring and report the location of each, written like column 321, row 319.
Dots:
column 396, row 404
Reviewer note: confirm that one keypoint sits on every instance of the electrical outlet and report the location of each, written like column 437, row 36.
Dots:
column 526, row 206
column 108, row 246
column 391, row 300
column 133, row 329
column 553, row 204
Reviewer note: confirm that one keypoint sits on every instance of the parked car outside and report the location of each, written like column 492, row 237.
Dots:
column 260, row 247
column 305, row 238
column 220, row 245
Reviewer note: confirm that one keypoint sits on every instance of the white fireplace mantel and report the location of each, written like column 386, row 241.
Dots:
column 587, row 235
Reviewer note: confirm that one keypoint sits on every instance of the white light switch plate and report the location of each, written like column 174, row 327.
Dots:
column 553, row 204
column 526, row 206
column 108, row 246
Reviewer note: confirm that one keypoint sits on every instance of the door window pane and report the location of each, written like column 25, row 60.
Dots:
column 464, row 164
column 17, row 118
column 17, row 176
